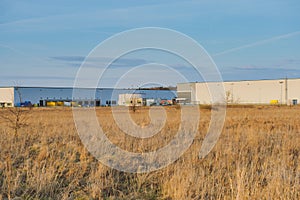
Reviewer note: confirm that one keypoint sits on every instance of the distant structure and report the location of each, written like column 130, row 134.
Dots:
column 7, row 96
column 130, row 100
column 82, row 97
column 278, row 91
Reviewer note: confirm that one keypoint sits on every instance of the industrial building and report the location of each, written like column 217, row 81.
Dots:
column 130, row 100
column 7, row 96
column 140, row 100
column 84, row 97
column 279, row 91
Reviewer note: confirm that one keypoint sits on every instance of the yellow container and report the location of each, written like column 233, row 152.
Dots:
column 60, row 103
column 74, row 103
column 51, row 103
column 274, row 102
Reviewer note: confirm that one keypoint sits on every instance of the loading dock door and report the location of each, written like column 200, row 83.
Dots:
column 98, row 102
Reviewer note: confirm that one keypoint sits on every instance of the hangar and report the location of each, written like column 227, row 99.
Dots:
column 278, row 91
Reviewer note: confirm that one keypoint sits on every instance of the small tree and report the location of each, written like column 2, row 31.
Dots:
column 229, row 98
column 133, row 103
column 16, row 116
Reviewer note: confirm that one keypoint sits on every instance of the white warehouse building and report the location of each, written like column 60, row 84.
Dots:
column 7, row 97
column 279, row 91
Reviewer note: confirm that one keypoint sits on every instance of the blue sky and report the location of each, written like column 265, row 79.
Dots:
column 42, row 43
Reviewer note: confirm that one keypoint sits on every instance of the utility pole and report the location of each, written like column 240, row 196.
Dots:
column 280, row 82
column 286, row 90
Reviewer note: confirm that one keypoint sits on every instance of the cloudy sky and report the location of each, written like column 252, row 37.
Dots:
column 43, row 43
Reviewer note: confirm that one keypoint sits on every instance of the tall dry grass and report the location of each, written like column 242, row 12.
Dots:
column 256, row 157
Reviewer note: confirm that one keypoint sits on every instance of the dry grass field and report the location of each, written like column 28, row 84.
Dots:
column 256, row 157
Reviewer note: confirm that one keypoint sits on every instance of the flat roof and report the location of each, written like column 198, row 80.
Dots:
column 40, row 87
column 228, row 81
column 66, row 88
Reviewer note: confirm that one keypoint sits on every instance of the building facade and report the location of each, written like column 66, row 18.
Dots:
column 7, row 96
column 279, row 91
column 130, row 100
column 86, row 97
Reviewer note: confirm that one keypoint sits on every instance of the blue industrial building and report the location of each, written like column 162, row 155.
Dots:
column 50, row 96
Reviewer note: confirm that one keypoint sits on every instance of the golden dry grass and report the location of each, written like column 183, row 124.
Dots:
column 256, row 157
